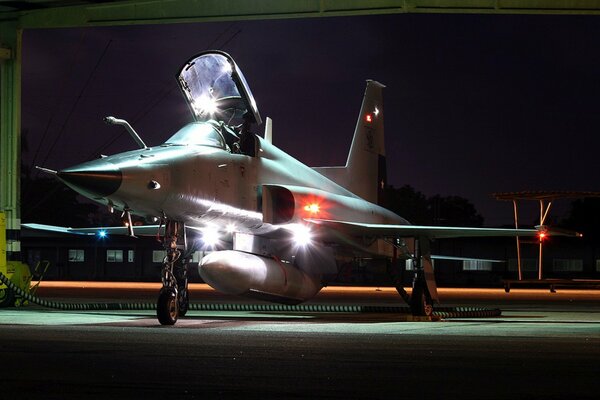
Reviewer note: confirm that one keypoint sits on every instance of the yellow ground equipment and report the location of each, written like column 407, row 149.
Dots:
column 16, row 271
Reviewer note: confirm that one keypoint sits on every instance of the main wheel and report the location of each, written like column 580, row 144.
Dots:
column 167, row 309
column 420, row 303
column 7, row 298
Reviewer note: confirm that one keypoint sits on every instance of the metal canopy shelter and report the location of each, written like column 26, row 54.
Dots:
column 79, row 13
column 545, row 199
column 30, row 14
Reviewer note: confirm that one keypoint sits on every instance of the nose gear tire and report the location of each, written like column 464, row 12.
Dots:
column 167, row 307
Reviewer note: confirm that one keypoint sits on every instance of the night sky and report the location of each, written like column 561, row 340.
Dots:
column 474, row 104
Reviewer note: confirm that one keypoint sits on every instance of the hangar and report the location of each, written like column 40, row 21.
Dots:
column 16, row 16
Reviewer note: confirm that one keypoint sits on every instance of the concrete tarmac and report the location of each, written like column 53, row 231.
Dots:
column 543, row 346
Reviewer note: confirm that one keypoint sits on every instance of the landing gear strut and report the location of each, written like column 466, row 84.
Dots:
column 397, row 275
column 183, row 298
column 420, row 300
column 424, row 291
column 173, row 299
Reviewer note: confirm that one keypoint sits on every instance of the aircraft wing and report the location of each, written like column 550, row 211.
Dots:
column 433, row 232
column 142, row 230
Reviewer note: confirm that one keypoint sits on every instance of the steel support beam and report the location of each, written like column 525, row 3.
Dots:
column 179, row 11
column 10, row 135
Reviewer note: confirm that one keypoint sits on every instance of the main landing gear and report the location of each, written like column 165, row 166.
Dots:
column 424, row 291
column 421, row 303
column 173, row 299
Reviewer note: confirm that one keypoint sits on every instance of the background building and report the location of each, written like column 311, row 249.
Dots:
column 121, row 258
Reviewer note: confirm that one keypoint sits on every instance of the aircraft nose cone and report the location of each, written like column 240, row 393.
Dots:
column 98, row 177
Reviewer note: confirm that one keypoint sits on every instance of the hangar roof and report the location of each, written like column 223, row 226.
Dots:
column 58, row 13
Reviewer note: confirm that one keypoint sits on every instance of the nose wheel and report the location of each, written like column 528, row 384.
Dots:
column 173, row 300
column 167, row 307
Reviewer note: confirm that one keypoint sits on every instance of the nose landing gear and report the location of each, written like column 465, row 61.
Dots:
column 173, row 299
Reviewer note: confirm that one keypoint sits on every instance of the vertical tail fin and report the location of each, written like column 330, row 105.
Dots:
column 366, row 159
column 365, row 170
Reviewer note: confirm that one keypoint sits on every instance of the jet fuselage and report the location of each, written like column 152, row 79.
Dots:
column 206, row 183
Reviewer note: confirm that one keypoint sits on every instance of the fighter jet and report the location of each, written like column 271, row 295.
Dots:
column 272, row 227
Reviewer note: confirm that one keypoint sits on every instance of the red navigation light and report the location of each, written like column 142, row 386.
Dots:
column 369, row 118
column 542, row 236
column 312, row 208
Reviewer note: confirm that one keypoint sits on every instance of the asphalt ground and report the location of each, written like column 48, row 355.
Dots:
column 545, row 345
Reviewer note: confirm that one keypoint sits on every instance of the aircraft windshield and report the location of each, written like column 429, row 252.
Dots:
column 216, row 89
column 198, row 133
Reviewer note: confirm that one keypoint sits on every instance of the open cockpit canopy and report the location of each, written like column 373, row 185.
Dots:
column 216, row 89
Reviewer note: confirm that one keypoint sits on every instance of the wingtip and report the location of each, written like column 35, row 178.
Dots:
column 46, row 170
